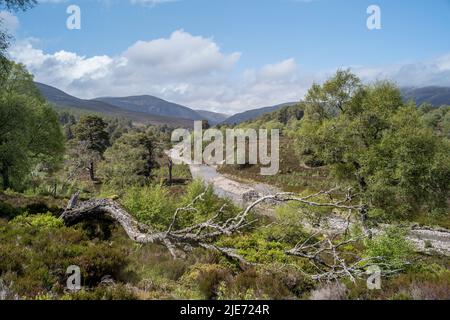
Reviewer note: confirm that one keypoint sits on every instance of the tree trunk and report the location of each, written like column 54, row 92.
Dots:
column 5, row 178
column 170, row 171
column 91, row 170
column 55, row 187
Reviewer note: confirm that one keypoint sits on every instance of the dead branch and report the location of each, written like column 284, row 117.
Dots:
column 324, row 255
column 205, row 233
column 197, row 235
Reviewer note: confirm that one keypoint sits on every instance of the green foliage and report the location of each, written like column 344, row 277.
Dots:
column 30, row 135
column 91, row 129
column 41, row 221
column 288, row 227
column 180, row 172
column 391, row 249
column 36, row 251
column 294, row 175
column 154, row 205
column 256, row 248
column 206, row 278
column 118, row 127
column 273, row 281
column 92, row 140
column 281, row 119
column 375, row 143
column 206, row 207
column 150, row 205
column 129, row 161
column 409, row 167
column 438, row 119
column 428, row 279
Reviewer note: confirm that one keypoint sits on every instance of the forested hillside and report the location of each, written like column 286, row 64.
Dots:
column 62, row 100
column 254, row 113
column 436, row 96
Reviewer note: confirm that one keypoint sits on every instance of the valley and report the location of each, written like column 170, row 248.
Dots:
column 95, row 184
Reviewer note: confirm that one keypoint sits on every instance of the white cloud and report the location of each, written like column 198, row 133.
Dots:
column 431, row 72
column 279, row 71
column 61, row 68
column 183, row 68
column 181, row 55
column 9, row 21
column 194, row 71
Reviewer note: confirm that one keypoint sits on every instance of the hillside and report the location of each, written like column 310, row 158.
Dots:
column 437, row 96
column 212, row 117
column 152, row 105
column 255, row 113
column 61, row 99
column 279, row 118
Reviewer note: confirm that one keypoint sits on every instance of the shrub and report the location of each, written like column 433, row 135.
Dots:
column 207, row 278
column 99, row 260
column 391, row 248
column 270, row 282
column 208, row 206
column 41, row 221
column 8, row 211
column 35, row 252
column 151, row 205
column 155, row 205
column 288, row 227
column 255, row 248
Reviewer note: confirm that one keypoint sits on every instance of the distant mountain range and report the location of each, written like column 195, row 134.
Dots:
column 255, row 113
column 152, row 110
column 142, row 109
column 437, row 96
column 152, row 105
column 213, row 117
column 61, row 99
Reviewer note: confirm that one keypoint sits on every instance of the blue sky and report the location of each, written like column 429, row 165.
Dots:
column 251, row 52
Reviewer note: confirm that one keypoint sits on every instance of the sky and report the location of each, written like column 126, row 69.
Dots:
column 229, row 55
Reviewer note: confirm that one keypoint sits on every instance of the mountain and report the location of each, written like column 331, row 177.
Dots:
column 437, row 96
column 152, row 105
column 61, row 99
column 255, row 113
column 212, row 117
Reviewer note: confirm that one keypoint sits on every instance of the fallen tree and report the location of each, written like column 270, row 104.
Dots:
column 176, row 241
column 205, row 233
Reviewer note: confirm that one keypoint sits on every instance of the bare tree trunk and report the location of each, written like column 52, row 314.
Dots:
column 91, row 170
column 324, row 254
column 170, row 170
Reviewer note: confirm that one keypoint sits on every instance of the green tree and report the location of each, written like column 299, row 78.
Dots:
column 376, row 144
column 30, row 134
column 130, row 160
column 438, row 119
column 90, row 132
